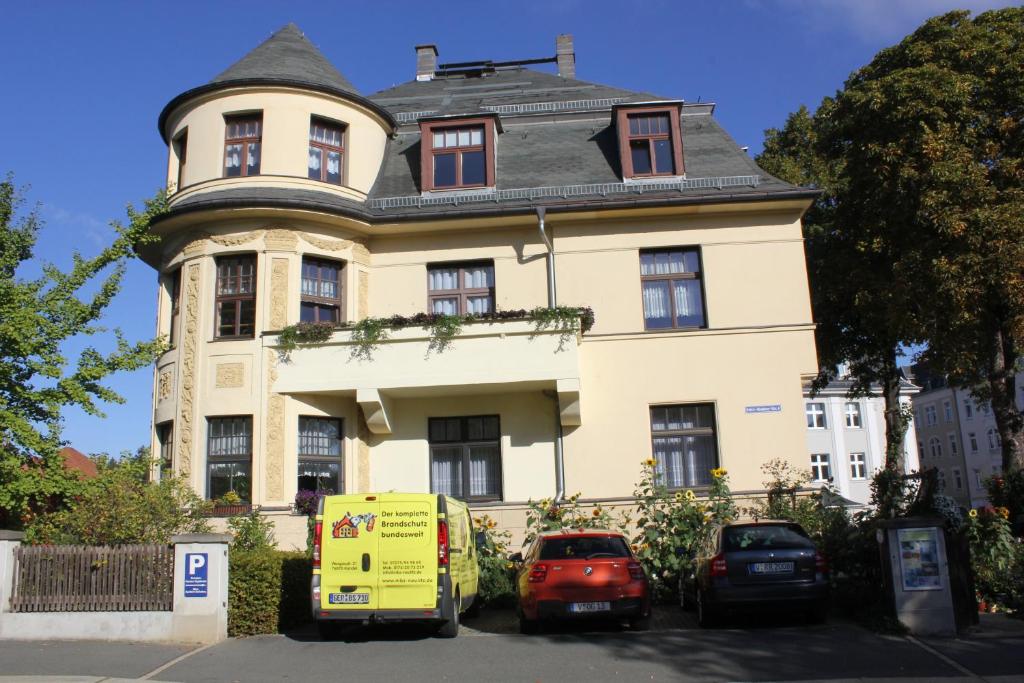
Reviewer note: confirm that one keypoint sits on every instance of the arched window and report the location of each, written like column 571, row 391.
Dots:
column 935, row 446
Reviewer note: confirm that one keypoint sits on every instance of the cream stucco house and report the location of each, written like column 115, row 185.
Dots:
column 479, row 188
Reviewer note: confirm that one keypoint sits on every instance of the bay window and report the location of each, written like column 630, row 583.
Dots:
column 320, row 455
column 236, row 296
column 326, row 150
column 229, row 457
column 243, row 138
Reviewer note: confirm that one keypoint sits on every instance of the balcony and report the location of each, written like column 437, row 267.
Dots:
column 485, row 357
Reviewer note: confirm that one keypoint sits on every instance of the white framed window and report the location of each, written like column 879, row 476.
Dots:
column 920, row 448
column 953, row 449
column 853, row 415
column 958, row 479
column 947, row 411
column 815, row 415
column 942, row 480
column 972, row 437
column 929, row 415
column 858, row 466
column 977, row 479
column 935, row 447
column 968, row 409
column 993, row 439
column 821, row 469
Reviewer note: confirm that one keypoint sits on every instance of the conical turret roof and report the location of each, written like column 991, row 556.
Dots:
column 287, row 56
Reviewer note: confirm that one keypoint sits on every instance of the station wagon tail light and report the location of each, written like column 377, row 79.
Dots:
column 820, row 563
column 636, row 570
column 538, row 573
column 719, row 566
column 442, row 543
column 317, row 537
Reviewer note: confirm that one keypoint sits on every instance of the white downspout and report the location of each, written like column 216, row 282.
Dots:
column 552, row 303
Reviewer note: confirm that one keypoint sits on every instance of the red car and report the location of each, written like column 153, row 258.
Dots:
column 579, row 574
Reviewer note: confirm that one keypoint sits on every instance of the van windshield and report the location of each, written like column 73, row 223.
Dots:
column 765, row 537
column 583, row 548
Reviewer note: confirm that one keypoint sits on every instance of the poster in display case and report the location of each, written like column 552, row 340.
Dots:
column 919, row 559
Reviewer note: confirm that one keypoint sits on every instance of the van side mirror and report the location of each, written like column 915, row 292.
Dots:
column 516, row 557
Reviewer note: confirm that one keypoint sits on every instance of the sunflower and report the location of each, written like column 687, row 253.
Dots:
column 690, row 495
column 1003, row 512
column 973, row 513
column 597, row 512
column 718, row 472
column 649, row 462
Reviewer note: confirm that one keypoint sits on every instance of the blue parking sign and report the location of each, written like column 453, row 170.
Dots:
column 196, row 565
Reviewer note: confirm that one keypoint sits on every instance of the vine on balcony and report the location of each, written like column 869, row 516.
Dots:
column 441, row 329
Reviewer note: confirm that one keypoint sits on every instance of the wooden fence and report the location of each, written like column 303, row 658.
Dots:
column 93, row 579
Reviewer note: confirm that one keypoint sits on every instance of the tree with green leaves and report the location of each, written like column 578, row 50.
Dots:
column 38, row 379
column 919, row 234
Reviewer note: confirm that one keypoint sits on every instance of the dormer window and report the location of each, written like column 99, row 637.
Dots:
column 650, row 144
column 458, row 154
column 243, row 137
column 326, row 150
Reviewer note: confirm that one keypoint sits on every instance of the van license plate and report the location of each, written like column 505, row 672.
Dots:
column 771, row 568
column 349, row 598
column 589, row 606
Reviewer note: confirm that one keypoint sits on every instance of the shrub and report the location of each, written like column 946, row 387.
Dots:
column 497, row 584
column 1007, row 491
column 671, row 524
column 119, row 507
column 997, row 558
column 251, row 531
column 268, row 591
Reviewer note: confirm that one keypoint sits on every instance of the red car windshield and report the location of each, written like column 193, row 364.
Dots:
column 583, row 547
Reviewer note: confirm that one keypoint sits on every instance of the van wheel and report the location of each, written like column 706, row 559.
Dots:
column 450, row 628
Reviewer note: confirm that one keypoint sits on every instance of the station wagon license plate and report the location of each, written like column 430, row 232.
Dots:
column 348, row 598
column 589, row 606
column 771, row 568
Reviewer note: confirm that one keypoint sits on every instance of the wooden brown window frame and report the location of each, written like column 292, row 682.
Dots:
column 181, row 151
column 324, row 457
column 165, row 438
column 338, row 302
column 237, row 298
column 245, row 141
column 698, row 276
column 175, row 292
column 427, row 130
column 622, row 115
column 465, row 442
column 233, row 457
column 326, row 148
column 711, row 431
column 462, row 292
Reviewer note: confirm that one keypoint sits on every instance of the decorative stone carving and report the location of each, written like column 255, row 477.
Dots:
column 279, row 239
column 235, row 240
column 163, row 391
column 196, row 244
column 188, row 370
column 275, row 433
column 326, row 244
column 363, row 458
column 230, row 375
column 278, row 293
column 360, row 254
column 364, row 294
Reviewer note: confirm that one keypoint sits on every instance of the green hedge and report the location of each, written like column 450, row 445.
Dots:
column 268, row 591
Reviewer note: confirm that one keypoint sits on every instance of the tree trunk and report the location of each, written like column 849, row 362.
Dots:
column 895, row 421
column 1002, row 382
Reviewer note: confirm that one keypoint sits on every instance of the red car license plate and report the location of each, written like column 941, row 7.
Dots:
column 590, row 607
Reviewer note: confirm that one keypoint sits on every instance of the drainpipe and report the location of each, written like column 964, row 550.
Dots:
column 552, row 303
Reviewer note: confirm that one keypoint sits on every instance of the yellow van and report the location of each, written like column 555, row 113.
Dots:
column 393, row 557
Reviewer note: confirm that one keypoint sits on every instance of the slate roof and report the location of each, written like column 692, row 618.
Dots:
column 573, row 145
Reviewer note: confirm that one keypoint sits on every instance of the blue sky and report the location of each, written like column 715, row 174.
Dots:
column 84, row 82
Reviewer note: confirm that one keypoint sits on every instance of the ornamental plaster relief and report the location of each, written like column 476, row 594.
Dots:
column 190, row 340
column 280, row 239
column 275, row 433
column 364, row 294
column 237, row 239
column 164, row 385
column 230, row 375
column 195, row 244
column 278, row 293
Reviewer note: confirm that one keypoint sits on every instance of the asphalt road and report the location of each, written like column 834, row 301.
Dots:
column 486, row 651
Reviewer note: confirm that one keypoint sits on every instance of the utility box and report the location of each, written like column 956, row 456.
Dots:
column 918, row 561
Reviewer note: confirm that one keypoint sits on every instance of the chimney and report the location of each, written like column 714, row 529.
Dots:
column 426, row 62
column 566, row 56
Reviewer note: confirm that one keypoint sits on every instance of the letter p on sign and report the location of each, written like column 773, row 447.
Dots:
column 196, row 565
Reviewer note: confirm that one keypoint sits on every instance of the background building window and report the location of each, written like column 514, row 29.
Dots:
column 465, row 457
column 941, row 480
column 929, row 415
column 993, row 440
column 173, row 332
column 858, row 466
column 461, row 288
column 953, row 449
column 821, row 469
column 229, row 457
column 321, row 291
column 853, row 415
column 972, row 437
column 958, row 480
column 815, row 415
column 683, row 440
column 326, row 150
column 935, row 446
column 320, row 454
column 236, row 296
column 947, row 411
column 243, row 137
column 968, row 409
column 672, row 290
column 165, row 441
